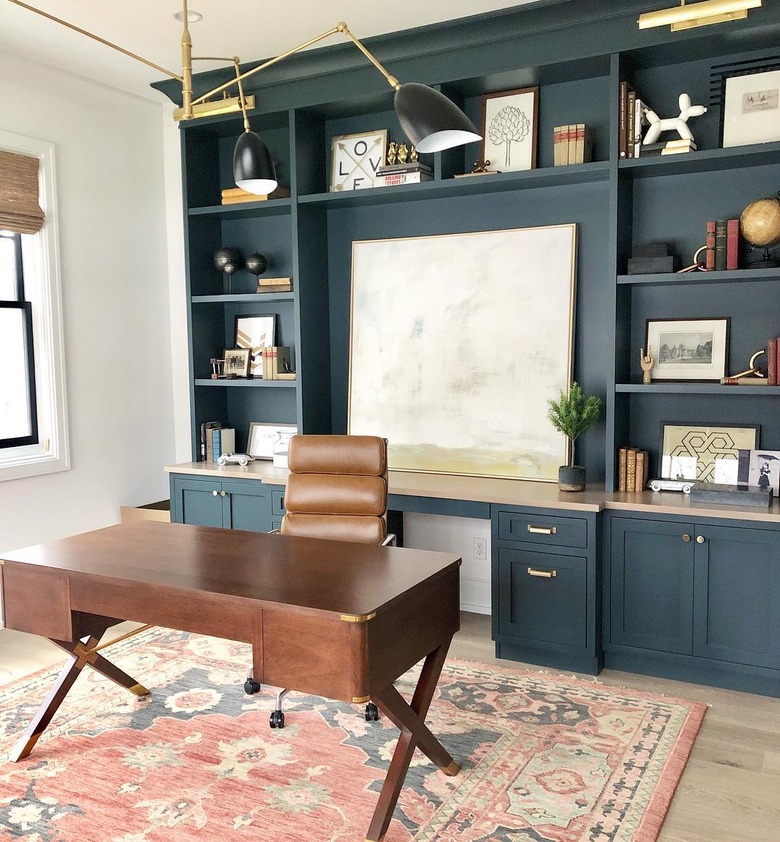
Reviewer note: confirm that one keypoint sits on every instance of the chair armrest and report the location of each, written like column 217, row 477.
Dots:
column 389, row 541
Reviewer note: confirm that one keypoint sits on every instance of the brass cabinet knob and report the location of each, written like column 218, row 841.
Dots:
column 223, row 493
column 686, row 537
column 215, row 492
column 700, row 539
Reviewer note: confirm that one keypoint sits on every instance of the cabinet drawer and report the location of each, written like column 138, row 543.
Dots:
column 543, row 529
column 543, row 597
column 277, row 502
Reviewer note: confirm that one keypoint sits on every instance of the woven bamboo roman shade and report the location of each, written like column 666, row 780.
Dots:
column 19, row 208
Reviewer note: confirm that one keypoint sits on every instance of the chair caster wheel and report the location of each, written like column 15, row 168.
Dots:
column 277, row 719
column 251, row 686
column 372, row 712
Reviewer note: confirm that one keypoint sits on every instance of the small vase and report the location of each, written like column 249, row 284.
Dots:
column 571, row 478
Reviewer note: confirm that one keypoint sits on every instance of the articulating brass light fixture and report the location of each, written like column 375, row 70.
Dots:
column 698, row 14
column 430, row 120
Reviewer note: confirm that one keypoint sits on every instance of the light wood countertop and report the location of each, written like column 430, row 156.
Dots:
column 508, row 492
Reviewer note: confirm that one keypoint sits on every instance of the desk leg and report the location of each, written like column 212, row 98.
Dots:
column 88, row 633
column 410, row 719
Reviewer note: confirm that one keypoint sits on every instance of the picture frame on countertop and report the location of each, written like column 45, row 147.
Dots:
column 510, row 122
column 236, row 362
column 263, row 438
column 255, row 333
column 688, row 350
column 760, row 468
column 355, row 158
column 750, row 107
column 696, row 451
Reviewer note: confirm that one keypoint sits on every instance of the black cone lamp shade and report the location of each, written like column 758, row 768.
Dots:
column 253, row 168
column 430, row 120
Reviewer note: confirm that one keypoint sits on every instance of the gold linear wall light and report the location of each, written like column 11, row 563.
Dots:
column 698, row 14
column 430, row 120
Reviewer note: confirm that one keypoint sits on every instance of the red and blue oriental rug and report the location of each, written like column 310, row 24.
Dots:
column 545, row 759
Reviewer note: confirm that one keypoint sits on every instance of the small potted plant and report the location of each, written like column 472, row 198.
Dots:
column 572, row 415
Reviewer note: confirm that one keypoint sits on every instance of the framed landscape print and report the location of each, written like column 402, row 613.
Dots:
column 693, row 451
column 688, row 349
column 509, row 125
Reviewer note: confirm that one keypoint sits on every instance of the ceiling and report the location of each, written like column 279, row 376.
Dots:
column 229, row 27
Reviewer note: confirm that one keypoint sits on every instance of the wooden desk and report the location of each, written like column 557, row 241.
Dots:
column 330, row 618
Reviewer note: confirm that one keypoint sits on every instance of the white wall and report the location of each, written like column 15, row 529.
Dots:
column 114, row 275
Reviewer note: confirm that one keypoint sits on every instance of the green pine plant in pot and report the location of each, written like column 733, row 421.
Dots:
column 572, row 415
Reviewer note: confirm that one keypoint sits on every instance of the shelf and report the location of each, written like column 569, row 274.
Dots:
column 245, row 210
column 454, row 187
column 254, row 297
column 695, row 389
column 719, row 277
column 706, row 160
column 248, row 384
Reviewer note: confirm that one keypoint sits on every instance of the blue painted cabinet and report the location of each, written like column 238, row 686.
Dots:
column 694, row 599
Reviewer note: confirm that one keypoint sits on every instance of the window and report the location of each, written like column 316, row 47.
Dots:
column 33, row 427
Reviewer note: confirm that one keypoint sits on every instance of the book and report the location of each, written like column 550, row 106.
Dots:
column 392, row 169
column 753, row 381
column 709, row 256
column 583, row 145
column 631, row 119
column 276, row 360
column 622, row 119
column 558, row 146
column 265, row 282
column 275, row 288
column 732, row 243
column 622, row 457
column 233, row 192
column 678, row 150
column 720, row 244
column 671, row 147
column 641, row 470
column 771, row 362
column 640, row 121
column 224, row 441
column 402, row 178
column 209, row 454
column 204, row 427
column 571, row 144
column 631, row 469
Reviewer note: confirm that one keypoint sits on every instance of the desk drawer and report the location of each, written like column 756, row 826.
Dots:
column 551, row 530
column 277, row 502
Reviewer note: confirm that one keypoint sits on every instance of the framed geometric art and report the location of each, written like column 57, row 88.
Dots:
column 457, row 342
column 693, row 451
column 255, row 333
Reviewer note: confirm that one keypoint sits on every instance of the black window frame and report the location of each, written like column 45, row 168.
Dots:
column 25, row 307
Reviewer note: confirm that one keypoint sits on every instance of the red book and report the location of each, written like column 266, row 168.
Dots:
column 709, row 259
column 732, row 244
column 771, row 361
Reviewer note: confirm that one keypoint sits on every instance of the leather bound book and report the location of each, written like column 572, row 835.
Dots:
column 732, row 244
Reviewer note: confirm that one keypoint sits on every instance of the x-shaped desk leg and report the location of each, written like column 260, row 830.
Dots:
column 410, row 718
column 87, row 631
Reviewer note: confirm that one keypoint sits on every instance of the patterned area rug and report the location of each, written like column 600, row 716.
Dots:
column 545, row 759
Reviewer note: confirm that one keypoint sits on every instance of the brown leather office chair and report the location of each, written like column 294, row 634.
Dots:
column 337, row 490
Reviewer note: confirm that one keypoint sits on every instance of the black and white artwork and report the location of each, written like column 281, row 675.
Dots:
column 688, row 349
column 509, row 129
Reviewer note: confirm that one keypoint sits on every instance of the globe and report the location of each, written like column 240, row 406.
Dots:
column 760, row 222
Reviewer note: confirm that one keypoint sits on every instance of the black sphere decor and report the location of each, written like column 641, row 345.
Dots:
column 227, row 260
column 256, row 263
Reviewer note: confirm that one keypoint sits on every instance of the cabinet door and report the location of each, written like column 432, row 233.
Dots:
column 737, row 595
column 651, row 585
column 247, row 506
column 198, row 501
column 542, row 596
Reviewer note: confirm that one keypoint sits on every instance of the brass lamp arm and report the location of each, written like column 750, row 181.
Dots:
column 99, row 39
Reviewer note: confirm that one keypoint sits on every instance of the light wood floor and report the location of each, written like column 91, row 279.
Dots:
column 729, row 792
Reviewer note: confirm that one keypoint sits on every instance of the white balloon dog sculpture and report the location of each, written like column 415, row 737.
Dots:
column 678, row 124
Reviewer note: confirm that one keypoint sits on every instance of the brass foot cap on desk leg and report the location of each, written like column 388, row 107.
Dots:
column 452, row 769
column 23, row 748
column 139, row 690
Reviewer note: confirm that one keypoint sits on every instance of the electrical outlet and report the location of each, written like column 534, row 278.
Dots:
column 480, row 549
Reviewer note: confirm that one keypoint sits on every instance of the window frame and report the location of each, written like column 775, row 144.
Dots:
column 42, row 292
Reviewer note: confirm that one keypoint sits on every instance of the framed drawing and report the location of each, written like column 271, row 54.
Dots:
column 255, row 333
column 355, row 158
column 263, row 438
column 509, row 124
column 688, row 349
column 236, row 362
column 454, row 352
column 750, row 110
column 694, row 451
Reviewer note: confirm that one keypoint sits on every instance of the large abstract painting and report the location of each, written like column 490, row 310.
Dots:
column 457, row 342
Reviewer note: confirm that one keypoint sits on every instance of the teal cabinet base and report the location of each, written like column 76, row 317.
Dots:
column 747, row 679
column 547, row 656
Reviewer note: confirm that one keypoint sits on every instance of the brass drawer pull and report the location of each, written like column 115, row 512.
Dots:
column 700, row 539
column 541, row 530
column 542, row 574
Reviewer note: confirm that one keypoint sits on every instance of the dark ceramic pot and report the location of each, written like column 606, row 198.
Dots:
column 571, row 478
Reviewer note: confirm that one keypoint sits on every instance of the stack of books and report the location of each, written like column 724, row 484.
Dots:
column 216, row 440
column 633, row 469
column 670, row 147
column 235, row 195
column 632, row 119
column 572, row 144
column 392, row 174
column 274, row 285
column 722, row 244
column 277, row 363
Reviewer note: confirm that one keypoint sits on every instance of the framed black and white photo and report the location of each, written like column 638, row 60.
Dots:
column 700, row 451
column 509, row 125
column 236, row 362
column 760, row 468
column 255, row 333
column 750, row 108
column 264, row 438
column 688, row 349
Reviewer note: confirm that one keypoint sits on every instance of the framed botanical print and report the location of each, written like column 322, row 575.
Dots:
column 509, row 125
column 355, row 158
